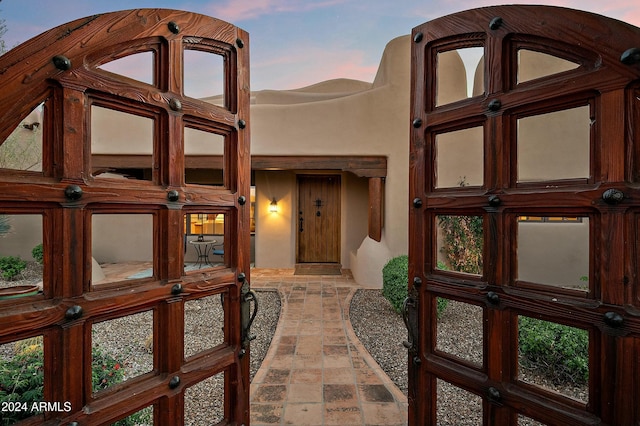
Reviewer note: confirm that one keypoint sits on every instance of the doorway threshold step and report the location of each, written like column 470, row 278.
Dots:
column 318, row 269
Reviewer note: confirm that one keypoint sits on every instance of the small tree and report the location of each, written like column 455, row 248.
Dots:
column 462, row 242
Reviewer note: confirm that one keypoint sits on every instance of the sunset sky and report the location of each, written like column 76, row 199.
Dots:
column 294, row 43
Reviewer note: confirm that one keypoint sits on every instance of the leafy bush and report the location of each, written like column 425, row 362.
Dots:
column 22, row 380
column 38, row 253
column 11, row 266
column 105, row 370
column 395, row 279
column 562, row 352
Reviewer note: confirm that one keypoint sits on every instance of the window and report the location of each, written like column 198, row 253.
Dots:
column 213, row 223
column 549, row 219
column 204, row 224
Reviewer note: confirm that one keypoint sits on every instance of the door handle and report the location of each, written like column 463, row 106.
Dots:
column 410, row 315
column 410, row 318
column 248, row 297
column 301, row 220
column 247, row 317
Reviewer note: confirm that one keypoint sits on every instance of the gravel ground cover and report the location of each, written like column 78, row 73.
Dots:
column 380, row 329
column 459, row 332
column 129, row 339
column 32, row 274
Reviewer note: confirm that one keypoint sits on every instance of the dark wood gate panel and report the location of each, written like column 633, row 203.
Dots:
column 524, row 218
column 319, row 219
column 67, row 71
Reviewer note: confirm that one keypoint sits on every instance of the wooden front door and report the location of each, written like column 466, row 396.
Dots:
column 319, row 219
column 524, row 298
column 123, row 325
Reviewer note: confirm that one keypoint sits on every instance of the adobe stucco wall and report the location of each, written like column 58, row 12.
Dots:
column 275, row 247
column 358, row 119
column 347, row 117
column 276, row 233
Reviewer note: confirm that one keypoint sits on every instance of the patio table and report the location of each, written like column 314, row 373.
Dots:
column 202, row 249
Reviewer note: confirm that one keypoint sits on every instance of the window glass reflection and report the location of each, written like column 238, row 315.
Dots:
column 533, row 65
column 457, row 73
column 554, row 251
column 116, row 134
column 459, row 158
column 204, row 157
column 555, row 145
column 204, row 75
column 137, row 67
column 122, row 247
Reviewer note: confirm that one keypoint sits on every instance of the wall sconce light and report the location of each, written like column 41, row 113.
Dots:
column 273, row 207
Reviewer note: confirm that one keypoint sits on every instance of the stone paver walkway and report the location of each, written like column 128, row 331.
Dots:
column 316, row 371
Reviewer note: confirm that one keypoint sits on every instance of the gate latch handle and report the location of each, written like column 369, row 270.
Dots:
column 247, row 317
column 410, row 318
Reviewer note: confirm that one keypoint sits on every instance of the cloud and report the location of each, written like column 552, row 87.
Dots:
column 625, row 10
column 234, row 11
column 309, row 65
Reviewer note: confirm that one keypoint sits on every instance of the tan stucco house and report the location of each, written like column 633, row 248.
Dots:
column 330, row 172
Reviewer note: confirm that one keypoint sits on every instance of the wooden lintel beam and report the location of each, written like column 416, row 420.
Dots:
column 121, row 161
column 362, row 166
column 373, row 166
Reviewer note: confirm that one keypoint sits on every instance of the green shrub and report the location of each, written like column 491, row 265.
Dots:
column 38, row 253
column 22, row 380
column 395, row 279
column 11, row 266
column 562, row 352
column 441, row 305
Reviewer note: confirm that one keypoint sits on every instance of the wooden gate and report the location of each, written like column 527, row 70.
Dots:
column 82, row 80
column 524, row 299
column 319, row 219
